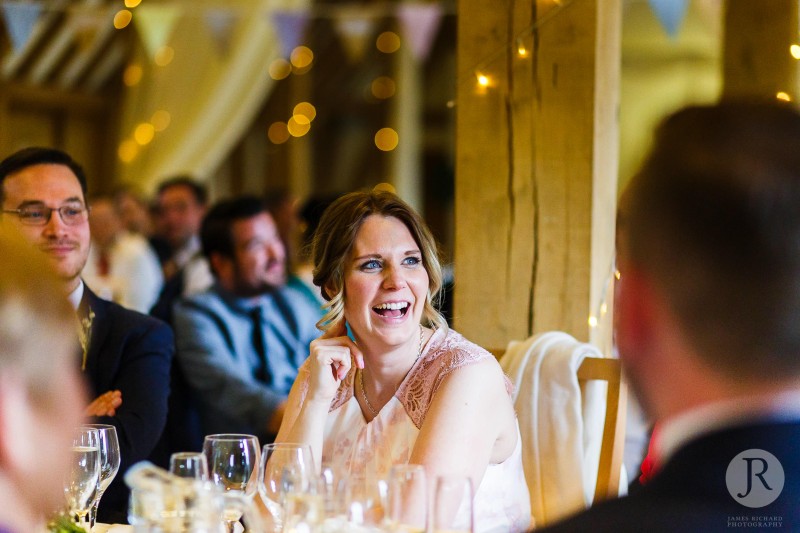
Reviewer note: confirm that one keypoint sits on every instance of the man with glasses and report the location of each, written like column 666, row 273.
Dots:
column 125, row 356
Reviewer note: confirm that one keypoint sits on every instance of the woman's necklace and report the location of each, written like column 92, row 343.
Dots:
column 361, row 375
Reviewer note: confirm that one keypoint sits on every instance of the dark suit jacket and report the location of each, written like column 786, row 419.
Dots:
column 130, row 352
column 690, row 493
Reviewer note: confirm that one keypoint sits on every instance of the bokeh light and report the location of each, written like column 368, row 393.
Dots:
column 144, row 133
column 298, row 125
column 386, row 139
column 783, row 96
column 795, row 51
column 132, row 75
column 302, row 57
column 127, row 151
column 383, row 87
column 160, row 120
column 278, row 133
column 305, row 109
column 388, row 42
column 279, row 69
column 132, row 3
column 164, row 56
column 387, row 187
column 122, row 18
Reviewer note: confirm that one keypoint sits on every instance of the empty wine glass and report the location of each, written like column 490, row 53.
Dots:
column 365, row 501
column 83, row 479
column 408, row 498
column 191, row 465
column 452, row 505
column 109, row 463
column 233, row 466
column 286, row 468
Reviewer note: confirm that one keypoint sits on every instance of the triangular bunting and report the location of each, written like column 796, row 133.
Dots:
column 419, row 23
column 355, row 28
column 670, row 14
column 291, row 28
column 219, row 22
column 155, row 23
column 20, row 17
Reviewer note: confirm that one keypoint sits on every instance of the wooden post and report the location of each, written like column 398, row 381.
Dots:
column 536, row 167
column 757, row 62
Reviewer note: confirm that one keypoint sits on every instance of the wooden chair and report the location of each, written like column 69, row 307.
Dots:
column 613, row 443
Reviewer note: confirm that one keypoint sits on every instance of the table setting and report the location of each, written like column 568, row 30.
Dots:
column 235, row 485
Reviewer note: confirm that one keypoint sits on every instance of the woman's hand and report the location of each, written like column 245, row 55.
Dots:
column 330, row 357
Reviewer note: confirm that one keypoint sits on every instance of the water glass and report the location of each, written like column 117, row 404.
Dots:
column 452, row 510
column 109, row 463
column 83, row 479
column 233, row 465
column 192, row 465
column 408, row 501
column 365, row 501
column 286, row 469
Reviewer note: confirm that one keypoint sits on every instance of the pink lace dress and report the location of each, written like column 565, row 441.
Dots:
column 353, row 445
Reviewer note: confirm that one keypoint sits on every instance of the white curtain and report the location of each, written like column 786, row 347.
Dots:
column 210, row 92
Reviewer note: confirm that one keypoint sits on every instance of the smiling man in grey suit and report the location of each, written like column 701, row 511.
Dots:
column 125, row 355
column 708, row 322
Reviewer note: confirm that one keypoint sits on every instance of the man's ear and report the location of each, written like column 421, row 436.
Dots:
column 221, row 266
column 635, row 317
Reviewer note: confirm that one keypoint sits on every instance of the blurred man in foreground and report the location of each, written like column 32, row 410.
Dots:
column 707, row 326
column 40, row 394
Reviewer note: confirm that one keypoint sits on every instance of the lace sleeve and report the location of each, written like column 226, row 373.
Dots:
column 442, row 358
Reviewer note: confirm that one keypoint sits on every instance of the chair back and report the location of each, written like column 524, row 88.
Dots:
column 571, row 402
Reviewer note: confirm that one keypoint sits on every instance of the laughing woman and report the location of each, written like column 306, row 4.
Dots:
column 401, row 387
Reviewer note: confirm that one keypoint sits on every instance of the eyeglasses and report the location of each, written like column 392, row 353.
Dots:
column 39, row 215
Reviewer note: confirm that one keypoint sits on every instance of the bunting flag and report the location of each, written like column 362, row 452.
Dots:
column 419, row 24
column 21, row 17
column 670, row 14
column 355, row 28
column 155, row 23
column 291, row 28
column 220, row 22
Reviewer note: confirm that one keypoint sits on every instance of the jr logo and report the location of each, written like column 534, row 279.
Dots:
column 755, row 478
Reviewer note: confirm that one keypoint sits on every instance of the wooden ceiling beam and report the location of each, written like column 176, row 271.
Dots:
column 27, row 96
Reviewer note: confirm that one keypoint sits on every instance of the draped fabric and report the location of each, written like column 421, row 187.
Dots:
column 210, row 92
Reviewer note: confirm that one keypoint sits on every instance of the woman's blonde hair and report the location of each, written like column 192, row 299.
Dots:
column 336, row 235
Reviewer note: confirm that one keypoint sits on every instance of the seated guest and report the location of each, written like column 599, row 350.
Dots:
column 707, row 311
column 125, row 355
column 240, row 343
column 122, row 266
column 40, row 390
column 388, row 383
column 181, row 203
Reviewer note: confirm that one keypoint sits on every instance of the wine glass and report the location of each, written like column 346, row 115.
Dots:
column 109, row 463
column 233, row 466
column 365, row 501
column 191, row 465
column 83, row 480
column 408, row 498
column 286, row 468
column 452, row 505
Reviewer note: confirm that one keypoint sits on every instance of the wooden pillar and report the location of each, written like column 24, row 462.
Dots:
column 536, row 167
column 757, row 61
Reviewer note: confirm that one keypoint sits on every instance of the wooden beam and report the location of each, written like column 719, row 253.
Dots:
column 26, row 96
column 535, row 167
